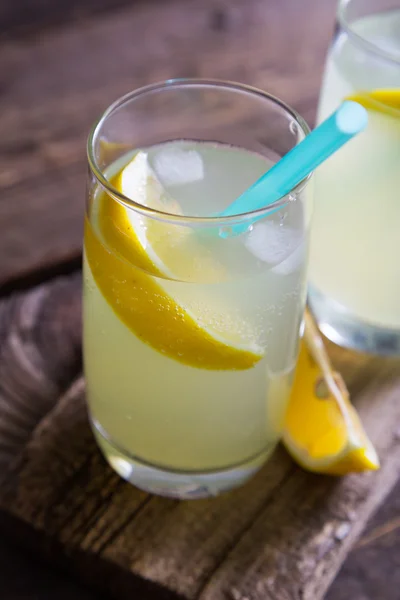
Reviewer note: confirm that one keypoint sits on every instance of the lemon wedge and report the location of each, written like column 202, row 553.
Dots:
column 130, row 258
column 386, row 101
column 322, row 429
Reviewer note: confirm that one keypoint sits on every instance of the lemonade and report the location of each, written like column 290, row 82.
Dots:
column 190, row 332
column 355, row 278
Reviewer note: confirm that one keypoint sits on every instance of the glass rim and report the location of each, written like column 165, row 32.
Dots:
column 186, row 219
column 358, row 39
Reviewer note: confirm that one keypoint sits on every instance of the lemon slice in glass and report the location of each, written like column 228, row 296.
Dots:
column 386, row 101
column 133, row 257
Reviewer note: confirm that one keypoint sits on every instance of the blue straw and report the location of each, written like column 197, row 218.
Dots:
column 348, row 120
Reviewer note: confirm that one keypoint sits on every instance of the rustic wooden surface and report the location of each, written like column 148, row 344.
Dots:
column 56, row 81
column 282, row 536
column 370, row 572
column 24, row 17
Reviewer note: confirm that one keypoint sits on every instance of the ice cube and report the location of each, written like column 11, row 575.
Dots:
column 175, row 166
column 292, row 262
column 272, row 243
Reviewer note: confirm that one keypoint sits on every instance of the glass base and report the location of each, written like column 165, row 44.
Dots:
column 182, row 485
column 344, row 329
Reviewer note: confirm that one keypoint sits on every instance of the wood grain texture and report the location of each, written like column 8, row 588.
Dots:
column 283, row 536
column 55, row 82
column 44, row 324
column 372, row 570
column 24, row 17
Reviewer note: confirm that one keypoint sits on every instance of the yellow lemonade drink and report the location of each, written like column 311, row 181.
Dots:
column 354, row 272
column 190, row 333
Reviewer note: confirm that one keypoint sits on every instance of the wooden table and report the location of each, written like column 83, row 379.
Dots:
column 286, row 533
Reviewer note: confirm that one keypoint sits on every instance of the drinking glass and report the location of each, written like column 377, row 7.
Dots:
column 190, row 330
column 354, row 272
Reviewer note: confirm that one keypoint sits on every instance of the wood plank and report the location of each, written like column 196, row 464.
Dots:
column 282, row 536
column 372, row 569
column 54, row 83
column 30, row 15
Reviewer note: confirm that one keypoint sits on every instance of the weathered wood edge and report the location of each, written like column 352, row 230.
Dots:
column 40, row 353
column 372, row 569
column 103, row 576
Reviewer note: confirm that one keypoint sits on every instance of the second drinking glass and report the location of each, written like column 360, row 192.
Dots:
column 354, row 266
